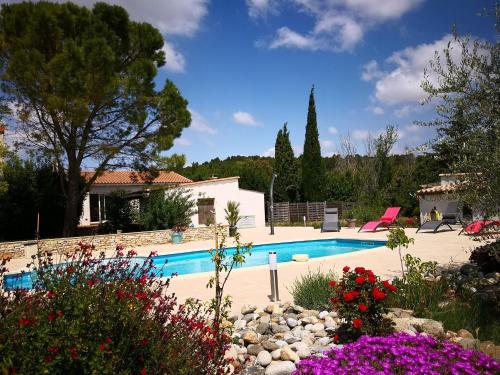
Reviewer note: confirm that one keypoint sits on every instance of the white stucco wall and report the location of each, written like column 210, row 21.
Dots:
column 428, row 202
column 224, row 190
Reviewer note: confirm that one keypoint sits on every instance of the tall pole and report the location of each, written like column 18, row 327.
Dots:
column 271, row 205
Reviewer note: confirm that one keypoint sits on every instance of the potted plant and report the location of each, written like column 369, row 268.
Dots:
column 351, row 221
column 176, row 234
column 232, row 216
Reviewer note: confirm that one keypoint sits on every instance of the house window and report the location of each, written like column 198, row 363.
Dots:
column 97, row 208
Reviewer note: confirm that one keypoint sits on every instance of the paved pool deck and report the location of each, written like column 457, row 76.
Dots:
column 252, row 285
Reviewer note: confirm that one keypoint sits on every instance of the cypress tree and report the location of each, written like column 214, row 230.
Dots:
column 286, row 184
column 313, row 168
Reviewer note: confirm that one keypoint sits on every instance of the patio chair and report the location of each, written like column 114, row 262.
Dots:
column 450, row 217
column 331, row 221
column 478, row 226
column 386, row 220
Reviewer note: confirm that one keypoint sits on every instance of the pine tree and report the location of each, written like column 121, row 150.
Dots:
column 313, row 168
column 286, row 184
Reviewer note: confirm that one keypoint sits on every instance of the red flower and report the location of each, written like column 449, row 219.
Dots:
column 356, row 323
column 90, row 282
column 336, row 338
column 359, row 270
column 141, row 295
column 73, row 353
column 53, row 350
column 143, row 372
column 48, row 359
column 346, row 269
column 108, row 340
column 371, row 277
column 120, row 294
column 144, row 342
column 23, row 322
column 51, row 294
column 102, row 346
column 70, row 269
column 349, row 296
column 334, row 300
column 360, row 280
column 389, row 286
column 51, row 316
column 378, row 294
column 60, row 314
column 362, row 307
column 332, row 283
column 143, row 279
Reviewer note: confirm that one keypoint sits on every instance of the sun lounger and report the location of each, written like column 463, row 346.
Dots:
column 331, row 220
column 479, row 226
column 386, row 220
column 450, row 217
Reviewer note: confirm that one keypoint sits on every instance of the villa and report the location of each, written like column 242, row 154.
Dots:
column 211, row 196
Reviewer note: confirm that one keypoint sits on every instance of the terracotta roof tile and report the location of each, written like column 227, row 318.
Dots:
column 438, row 189
column 135, row 178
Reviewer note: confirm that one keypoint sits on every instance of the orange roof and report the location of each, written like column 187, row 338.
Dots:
column 135, row 178
column 438, row 189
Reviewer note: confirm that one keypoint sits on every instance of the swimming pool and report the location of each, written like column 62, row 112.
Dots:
column 199, row 261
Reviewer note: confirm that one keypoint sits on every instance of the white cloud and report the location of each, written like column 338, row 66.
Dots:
column 269, row 152
column 200, row 123
column 338, row 24
column 174, row 60
column 400, row 83
column 327, row 147
column 290, row 39
column 333, row 130
column 376, row 110
column 371, row 71
column 183, row 142
column 261, row 8
column 360, row 135
column 244, row 118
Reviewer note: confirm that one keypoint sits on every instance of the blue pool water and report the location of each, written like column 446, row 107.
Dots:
column 199, row 261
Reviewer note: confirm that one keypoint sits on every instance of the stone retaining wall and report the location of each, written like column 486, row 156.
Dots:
column 104, row 242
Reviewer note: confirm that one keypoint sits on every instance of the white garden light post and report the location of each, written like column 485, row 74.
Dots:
column 273, row 271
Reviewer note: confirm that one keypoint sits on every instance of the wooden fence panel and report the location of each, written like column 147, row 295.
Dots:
column 286, row 212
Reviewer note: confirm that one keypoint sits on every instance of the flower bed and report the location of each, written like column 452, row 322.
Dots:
column 399, row 354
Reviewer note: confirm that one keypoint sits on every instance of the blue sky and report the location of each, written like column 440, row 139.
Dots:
column 247, row 66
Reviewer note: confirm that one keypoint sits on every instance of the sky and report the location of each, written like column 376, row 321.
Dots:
column 247, row 67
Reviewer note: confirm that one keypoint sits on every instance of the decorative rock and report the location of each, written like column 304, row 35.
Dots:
column 307, row 313
column 309, row 320
column 265, row 319
column 281, row 343
column 253, row 370
column 321, row 333
column 276, row 328
column 239, row 324
column 324, row 341
column 330, row 323
column 262, row 328
column 488, row 347
column 469, row 343
column 323, row 314
column 248, row 309
column 291, row 322
column 276, row 354
column 280, row 368
column 231, row 353
column 254, row 349
column 463, row 333
column 270, row 346
column 410, row 332
column 249, row 317
column 233, row 318
column 433, row 328
column 250, row 337
column 287, row 354
column 317, row 327
column 304, row 353
column 264, row 358
column 292, row 339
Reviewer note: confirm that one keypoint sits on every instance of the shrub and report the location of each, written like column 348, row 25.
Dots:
column 119, row 211
column 312, row 290
column 359, row 298
column 107, row 316
column 399, row 354
column 164, row 209
column 487, row 257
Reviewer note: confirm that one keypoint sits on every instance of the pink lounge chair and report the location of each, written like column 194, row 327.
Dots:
column 385, row 220
column 476, row 227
